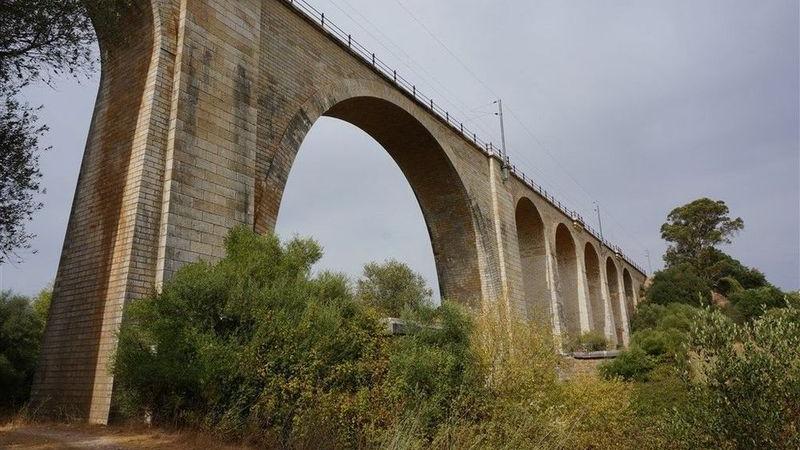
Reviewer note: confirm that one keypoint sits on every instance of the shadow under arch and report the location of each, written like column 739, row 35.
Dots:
column 384, row 115
column 595, row 288
column 567, row 258
column 612, row 275
column 533, row 262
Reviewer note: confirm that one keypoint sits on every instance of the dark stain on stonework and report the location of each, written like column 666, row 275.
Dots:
column 194, row 88
column 242, row 88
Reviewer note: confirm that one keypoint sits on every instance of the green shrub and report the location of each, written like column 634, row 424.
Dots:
column 433, row 367
column 591, row 341
column 674, row 315
column 647, row 315
column 392, row 288
column 660, row 343
column 679, row 284
column 752, row 303
column 793, row 299
column 256, row 347
column 727, row 286
column 21, row 326
column 660, row 337
column 250, row 346
column 726, row 268
column 631, row 365
column 745, row 384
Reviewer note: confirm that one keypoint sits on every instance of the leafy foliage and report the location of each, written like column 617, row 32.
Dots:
column 660, row 334
column 591, row 341
column 752, row 303
column 249, row 344
column 392, row 288
column 705, row 382
column 38, row 39
column 746, row 388
column 695, row 229
column 679, row 284
column 41, row 38
column 21, row 326
column 19, row 173
column 631, row 365
column 255, row 346
column 724, row 267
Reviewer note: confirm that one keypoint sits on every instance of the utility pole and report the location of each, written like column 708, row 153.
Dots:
column 600, row 223
column 649, row 265
column 503, row 150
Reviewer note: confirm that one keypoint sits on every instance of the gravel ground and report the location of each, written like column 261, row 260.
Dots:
column 60, row 436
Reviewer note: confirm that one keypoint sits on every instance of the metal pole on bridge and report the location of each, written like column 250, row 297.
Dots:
column 600, row 223
column 503, row 150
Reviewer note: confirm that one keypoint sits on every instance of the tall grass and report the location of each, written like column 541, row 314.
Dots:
column 524, row 405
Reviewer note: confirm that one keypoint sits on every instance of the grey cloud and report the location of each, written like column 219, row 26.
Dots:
column 648, row 104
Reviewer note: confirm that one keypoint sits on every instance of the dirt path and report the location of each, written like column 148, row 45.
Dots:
column 59, row 436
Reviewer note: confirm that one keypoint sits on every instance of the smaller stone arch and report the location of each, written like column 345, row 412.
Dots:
column 533, row 262
column 595, row 288
column 612, row 276
column 630, row 296
column 567, row 280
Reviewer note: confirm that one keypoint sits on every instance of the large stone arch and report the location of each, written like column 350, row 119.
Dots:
column 595, row 288
column 533, row 261
column 612, row 275
column 426, row 164
column 630, row 296
column 567, row 280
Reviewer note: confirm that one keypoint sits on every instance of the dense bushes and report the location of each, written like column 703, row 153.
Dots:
column 255, row 347
column 660, row 334
column 679, row 284
column 591, row 341
column 745, row 384
column 752, row 303
column 708, row 382
column 521, row 402
column 251, row 346
column 21, row 327
column 392, row 289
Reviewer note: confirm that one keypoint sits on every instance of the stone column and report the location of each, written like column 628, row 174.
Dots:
column 167, row 171
column 611, row 335
column 626, row 333
column 583, row 288
column 555, row 308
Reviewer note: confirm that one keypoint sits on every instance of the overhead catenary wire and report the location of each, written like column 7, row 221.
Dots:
column 516, row 117
column 445, row 95
column 436, row 109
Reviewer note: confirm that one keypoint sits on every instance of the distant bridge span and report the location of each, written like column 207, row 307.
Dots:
column 202, row 108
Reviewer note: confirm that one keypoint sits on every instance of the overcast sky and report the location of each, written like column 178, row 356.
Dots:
column 640, row 105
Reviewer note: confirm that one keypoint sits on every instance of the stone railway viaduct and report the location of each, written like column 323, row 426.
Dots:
column 202, row 107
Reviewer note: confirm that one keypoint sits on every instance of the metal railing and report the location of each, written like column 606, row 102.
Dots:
column 409, row 88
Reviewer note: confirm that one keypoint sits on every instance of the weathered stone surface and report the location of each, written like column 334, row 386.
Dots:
column 198, row 120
